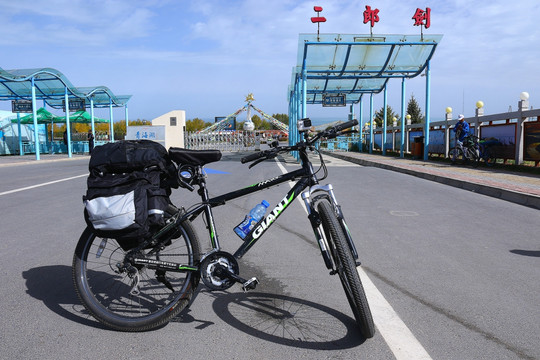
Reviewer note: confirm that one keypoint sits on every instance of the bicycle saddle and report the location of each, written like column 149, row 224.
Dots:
column 194, row 157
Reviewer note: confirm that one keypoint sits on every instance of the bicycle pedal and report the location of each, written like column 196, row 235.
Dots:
column 250, row 284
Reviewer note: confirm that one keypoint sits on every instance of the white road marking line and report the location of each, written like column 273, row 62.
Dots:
column 39, row 185
column 395, row 333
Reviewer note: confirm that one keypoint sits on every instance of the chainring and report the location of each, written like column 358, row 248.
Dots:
column 208, row 273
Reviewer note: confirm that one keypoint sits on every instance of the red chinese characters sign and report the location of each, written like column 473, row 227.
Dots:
column 422, row 17
column 371, row 16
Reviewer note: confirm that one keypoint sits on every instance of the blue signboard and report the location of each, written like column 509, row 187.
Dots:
column 21, row 106
column 230, row 124
column 74, row 105
column 334, row 100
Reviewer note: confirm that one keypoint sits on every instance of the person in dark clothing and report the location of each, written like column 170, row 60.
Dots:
column 90, row 141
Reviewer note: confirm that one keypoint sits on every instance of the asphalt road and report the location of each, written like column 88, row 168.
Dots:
column 455, row 275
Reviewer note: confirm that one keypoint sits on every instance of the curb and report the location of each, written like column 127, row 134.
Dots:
column 41, row 161
column 529, row 200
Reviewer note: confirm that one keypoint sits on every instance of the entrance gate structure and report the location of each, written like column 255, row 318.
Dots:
column 54, row 88
column 219, row 136
column 344, row 67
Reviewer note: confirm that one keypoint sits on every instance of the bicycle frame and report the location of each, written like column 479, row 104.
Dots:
column 307, row 178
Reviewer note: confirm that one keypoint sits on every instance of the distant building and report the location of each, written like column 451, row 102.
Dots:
column 175, row 125
column 167, row 129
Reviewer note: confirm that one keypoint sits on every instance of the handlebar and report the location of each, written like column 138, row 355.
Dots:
column 346, row 125
column 330, row 133
column 253, row 157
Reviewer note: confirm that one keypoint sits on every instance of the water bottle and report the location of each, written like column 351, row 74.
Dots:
column 251, row 219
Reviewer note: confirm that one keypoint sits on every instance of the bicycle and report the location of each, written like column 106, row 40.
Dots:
column 466, row 151
column 473, row 150
column 145, row 287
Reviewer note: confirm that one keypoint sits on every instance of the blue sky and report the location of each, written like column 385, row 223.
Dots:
column 206, row 56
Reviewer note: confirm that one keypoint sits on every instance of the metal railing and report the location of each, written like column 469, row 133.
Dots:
column 228, row 140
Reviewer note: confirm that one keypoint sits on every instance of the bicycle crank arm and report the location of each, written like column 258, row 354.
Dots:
column 223, row 271
column 164, row 265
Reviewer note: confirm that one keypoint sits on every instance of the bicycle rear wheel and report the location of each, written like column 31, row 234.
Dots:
column 456, row 156
column 488, row 157
column 346, row 268
column 115, row 299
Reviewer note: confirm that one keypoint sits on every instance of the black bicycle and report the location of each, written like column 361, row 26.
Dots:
column 145, row 287
column 472, row 150
column 466, row 151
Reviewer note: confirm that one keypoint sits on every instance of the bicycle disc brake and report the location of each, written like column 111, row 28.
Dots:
column 211, row 273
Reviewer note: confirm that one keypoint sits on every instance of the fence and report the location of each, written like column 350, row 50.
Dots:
column 341, row 143
column 229, row 140
column 518, row 132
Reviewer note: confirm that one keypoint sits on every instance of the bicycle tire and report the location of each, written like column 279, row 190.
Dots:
column 456, row 156
column 346, row 268
column 474, row 155
column 106, row 294
column 488, row 157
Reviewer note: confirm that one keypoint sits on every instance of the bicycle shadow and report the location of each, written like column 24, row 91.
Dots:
column 277, row 318
column 533, row 253
column 54, row 286
column 289, row 321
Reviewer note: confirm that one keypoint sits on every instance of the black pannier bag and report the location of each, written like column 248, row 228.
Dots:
column 128, row 190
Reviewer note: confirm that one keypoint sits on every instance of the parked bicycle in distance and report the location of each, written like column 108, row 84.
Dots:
column 471, row 151
column 144, row 287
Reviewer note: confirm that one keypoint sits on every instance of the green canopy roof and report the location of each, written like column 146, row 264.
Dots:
column 45, row 117
column 83, row 117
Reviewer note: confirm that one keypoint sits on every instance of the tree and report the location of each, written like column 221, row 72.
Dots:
column 197, row 124
column 256, row 121
column 390, row 114
column 284, row 118
column 415, row 111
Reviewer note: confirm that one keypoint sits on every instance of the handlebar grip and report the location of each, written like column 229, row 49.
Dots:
column 253, row 157
column 346, row 125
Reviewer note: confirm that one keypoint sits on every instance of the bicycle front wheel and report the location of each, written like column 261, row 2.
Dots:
column 346, row 268
column 141, row 299
column 456, row 156
column 474, row 155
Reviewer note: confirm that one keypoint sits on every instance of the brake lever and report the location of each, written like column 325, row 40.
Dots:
column 256, row 162
column 267, row 157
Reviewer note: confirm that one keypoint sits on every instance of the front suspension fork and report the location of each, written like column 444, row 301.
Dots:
column 316, row 222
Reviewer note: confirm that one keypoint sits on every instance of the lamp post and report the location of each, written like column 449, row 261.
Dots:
column 524, row 101
column 408, row 121
column 479, row 108
column 448, row 113
column 447, row 131
column 523, row 105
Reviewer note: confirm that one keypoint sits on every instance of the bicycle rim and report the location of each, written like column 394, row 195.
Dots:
column 456, row 156
column 474, row 155
column 112, row 297
column 489, row 159
column 346, row 268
